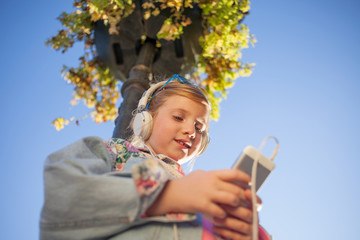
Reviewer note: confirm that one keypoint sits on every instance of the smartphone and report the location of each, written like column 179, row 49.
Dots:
column 245, row 163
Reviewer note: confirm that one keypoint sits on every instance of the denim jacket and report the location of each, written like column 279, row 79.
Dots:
column 101, row 190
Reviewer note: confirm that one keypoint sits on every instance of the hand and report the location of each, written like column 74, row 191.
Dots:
column 202, row 192
column 238, row 223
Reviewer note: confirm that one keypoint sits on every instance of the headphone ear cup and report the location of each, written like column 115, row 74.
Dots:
column 142, row 125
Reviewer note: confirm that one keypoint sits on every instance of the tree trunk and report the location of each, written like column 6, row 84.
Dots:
column 132, row 90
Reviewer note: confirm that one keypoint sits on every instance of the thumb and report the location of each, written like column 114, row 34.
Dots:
column 258, row 200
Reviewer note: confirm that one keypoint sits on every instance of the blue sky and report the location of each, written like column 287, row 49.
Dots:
column 304, row 90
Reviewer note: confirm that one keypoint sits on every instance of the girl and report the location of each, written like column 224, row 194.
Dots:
column 97, row 189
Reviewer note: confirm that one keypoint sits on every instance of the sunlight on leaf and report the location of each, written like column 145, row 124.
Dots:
column 216, row 70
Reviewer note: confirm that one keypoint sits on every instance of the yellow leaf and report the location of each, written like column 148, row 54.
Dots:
column 156, row 12
column 147, row 15
column 59, row 123
column 73, row 102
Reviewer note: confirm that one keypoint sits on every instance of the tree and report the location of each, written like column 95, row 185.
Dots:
column 214, row 65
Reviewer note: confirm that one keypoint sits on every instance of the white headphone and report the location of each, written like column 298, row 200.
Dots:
column 143, row 121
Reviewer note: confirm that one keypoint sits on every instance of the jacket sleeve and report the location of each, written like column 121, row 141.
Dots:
column 84, row 199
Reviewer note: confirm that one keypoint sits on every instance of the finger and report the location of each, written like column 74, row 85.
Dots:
column 226, row 198
column 258, row 200
column 234, row 224
column 212, row 209
column 229, row 234
column 231, row 188
column 232, row 175
column 242, row 213
column 249, row 196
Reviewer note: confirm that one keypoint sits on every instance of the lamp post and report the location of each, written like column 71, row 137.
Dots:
column 134, row 61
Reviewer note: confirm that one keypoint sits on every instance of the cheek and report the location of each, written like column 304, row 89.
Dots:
column 156, row 133
column 159, row 128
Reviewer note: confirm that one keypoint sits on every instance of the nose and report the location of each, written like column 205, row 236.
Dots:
column 189, row 130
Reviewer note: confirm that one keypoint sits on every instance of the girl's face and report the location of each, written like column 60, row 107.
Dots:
column 177, row 128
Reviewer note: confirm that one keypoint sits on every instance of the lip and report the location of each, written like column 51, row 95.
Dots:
column 184, row 144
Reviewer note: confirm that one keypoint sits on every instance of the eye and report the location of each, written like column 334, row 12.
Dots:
column 178, row 118
column 198, row 128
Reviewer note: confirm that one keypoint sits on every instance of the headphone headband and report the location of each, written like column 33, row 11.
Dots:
column 147, row 94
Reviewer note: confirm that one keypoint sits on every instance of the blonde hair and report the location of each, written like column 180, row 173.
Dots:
column 177, row 89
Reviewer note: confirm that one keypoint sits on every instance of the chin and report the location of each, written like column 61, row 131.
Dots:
column 185, row 159
column 182, row 157
column 177, row 158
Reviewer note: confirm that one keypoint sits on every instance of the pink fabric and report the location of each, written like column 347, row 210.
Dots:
column 263, row 234
column 207, row 230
